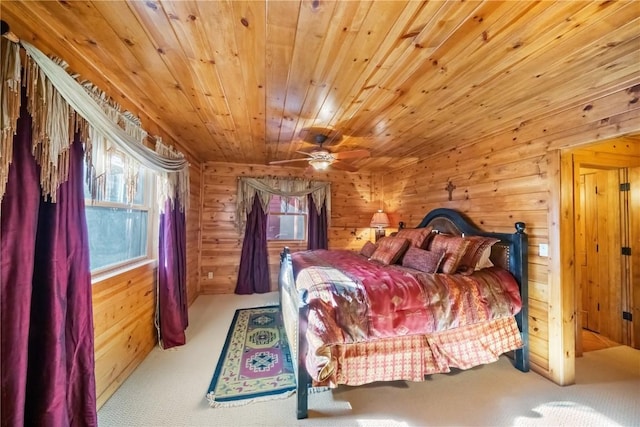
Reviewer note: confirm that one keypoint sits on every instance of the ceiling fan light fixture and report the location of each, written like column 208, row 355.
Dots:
column 319, row 164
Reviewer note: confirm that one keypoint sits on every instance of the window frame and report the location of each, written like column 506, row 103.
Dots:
column 305, row 216
column 149, row 206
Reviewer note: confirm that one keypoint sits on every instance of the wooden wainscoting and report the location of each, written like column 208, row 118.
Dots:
column 123, row 308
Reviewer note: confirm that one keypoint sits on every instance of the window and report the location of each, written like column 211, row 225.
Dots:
column 119, row 232
column 286, row 220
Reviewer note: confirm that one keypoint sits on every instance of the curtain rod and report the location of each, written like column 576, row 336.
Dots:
column 12, row 37
column 6, row 32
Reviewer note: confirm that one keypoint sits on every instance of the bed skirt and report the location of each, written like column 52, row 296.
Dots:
column 409, row 358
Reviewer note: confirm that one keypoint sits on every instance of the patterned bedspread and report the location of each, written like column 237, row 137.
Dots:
column 359, row 300
column 353, row 301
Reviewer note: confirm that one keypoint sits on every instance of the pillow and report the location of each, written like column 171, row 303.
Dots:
column 390, row 249
column 368, row 249
column 477, row 247
column 485, row 260
column 417, row 237
column 423, row 260
column 454, row 248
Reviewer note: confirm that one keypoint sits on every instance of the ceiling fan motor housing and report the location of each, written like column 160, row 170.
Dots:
column 320, row 139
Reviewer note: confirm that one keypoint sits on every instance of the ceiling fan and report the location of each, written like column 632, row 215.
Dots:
column 321, row 159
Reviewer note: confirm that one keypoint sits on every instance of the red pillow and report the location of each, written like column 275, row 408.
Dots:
column 368, row 249
column 417, row 237
column 423, row 260
column 454, row 248
column 390, row 249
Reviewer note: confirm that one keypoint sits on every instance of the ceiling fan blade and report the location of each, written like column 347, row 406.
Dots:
column 277, row 162
column 343, row 166
column 352, row 154
column 302, row 152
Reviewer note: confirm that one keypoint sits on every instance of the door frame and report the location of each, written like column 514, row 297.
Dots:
column 564, row 181
column 562, row 318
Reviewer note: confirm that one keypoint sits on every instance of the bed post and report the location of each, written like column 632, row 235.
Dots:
column 287, row 288
column 304, row 379
column 520, row 268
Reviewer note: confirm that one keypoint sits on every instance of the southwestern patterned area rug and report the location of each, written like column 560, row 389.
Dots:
column 255, row 363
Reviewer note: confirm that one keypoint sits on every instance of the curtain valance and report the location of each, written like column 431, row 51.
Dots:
column 266, row 187
column 60, row 106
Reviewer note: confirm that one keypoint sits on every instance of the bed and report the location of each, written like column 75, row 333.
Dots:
column 360, row 317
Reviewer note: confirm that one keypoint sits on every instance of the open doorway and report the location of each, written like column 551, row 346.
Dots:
column 604, row 232
column 564, row 164
column 601, row 284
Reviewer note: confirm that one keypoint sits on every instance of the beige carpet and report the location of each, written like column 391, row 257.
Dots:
column 169, row 387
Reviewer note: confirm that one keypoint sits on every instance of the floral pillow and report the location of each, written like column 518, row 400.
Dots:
column 423, row 260
column 390, row 250
column 417, row 237
column 368, row 249
column 454, row 248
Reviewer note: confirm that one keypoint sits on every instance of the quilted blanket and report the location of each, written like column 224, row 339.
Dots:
column 352, row 299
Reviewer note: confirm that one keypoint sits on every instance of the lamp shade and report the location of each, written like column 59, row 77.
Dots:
column 379, row 220
column 319, row 164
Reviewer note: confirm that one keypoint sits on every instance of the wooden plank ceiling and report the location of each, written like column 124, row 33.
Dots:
column 248, row 81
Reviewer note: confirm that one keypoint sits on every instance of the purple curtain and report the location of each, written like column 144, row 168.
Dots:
column 172, row 277
column 47, row 322
column 253, row 272
column 318, row 238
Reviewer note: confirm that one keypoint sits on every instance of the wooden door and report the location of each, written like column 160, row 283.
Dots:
column 609, row 254
column 585, row 250
column 634, row 258
column 589, row 269
column 599, row 257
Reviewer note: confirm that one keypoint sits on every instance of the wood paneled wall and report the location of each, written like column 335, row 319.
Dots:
column 351, row 209
column 124, row 307
column 193, row 232
column 504, row 178
column 123, row 311
column 495, row 187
